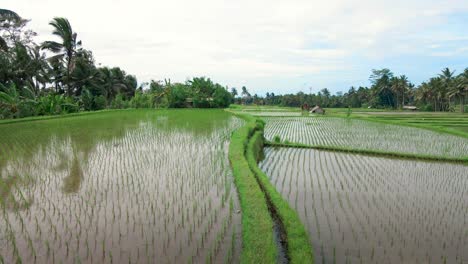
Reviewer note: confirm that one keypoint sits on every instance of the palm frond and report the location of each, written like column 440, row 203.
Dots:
column 52, row 46
column 62, row 29
column 6, row 14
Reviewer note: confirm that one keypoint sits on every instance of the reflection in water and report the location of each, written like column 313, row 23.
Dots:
column 132, row 186
column 8, row 198
column 71, row 183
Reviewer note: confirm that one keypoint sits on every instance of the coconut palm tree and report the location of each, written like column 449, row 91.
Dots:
column 460, row 89
column 66, row 48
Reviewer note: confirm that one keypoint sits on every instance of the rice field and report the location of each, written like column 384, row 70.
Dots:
column 361, row 209
column 365, row 135
column 273, row 113
column 119, row 187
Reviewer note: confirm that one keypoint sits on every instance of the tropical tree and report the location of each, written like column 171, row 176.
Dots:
column 246, row 97
column 12, row 102
column 400, row 86
column 460, row 89
column 382, row 86
column 447, row 81
column 8, row 19
column 65, row 49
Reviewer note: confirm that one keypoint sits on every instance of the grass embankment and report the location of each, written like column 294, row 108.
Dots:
column 370, row 152
column 48, row 117
column 258, row 245
column 442, row 122
column 450, row 124
column 299, row 249
column 254, row 190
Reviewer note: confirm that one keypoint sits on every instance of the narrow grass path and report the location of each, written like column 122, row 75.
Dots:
column 371, row 152
column 299, row 249
column 258, row 245
column 256, row 193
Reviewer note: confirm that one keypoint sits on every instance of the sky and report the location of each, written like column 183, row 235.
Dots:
column 280, row 46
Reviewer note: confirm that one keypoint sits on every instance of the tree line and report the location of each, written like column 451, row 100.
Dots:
column 444, row 92
column 55, row 77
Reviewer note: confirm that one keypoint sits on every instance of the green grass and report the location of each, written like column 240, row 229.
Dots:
column 450, row 123
column 254, row 188
column 299, row 248
column 370, row 152
column 444, row 122
column 258, row 245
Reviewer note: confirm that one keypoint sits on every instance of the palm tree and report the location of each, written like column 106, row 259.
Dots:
column 66, row 49
column 460, row 89
column 7, row 16
column 447, row 78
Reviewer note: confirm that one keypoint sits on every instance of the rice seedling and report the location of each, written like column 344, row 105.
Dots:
column 364, row 135
column 129, row 186
column 373, row 209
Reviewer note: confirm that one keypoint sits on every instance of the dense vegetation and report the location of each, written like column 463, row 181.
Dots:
column 61, row 76
column 444, row 92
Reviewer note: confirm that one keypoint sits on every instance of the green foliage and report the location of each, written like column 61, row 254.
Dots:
column 221, row 97
column 299, row 248
column 177, row 96
column 277, row 139
column 87, row 100
column 255, row 216
column 141, row 100
column 119, row 102
column 100, row 102
column 348, row 113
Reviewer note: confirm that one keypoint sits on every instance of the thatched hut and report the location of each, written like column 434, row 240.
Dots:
column 317, row 110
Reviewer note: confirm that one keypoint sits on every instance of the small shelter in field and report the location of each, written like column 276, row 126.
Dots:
column 317, row 110
column 189, row 102
column 410, row 107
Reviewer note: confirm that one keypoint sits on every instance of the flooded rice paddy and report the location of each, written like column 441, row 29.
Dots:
column 124, row 187
column 361, row 209
column 360, row 134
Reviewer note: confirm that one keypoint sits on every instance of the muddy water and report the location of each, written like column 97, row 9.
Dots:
column 124, row 187
column 362, row 209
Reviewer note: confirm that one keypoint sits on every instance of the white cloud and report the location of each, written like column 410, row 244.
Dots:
column 244, row 39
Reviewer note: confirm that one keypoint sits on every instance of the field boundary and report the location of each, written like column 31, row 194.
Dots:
column 377, row 119
column 439, row 130
column 297, row 239
column 258, row 245
column 244, row 153
column 380, row 153
column 49, row 117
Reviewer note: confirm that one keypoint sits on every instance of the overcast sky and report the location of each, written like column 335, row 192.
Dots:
column 276, row 46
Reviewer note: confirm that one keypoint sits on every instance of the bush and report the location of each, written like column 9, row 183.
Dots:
column 87, row 100
column 277, row 139
column 428, row 107
column 141, row 100
column 119, row 102
column 100, row 102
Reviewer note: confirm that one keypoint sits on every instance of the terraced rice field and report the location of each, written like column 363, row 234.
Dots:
column 362, row 209
column 124, row 187
column 261, row 113
column 365, row 135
